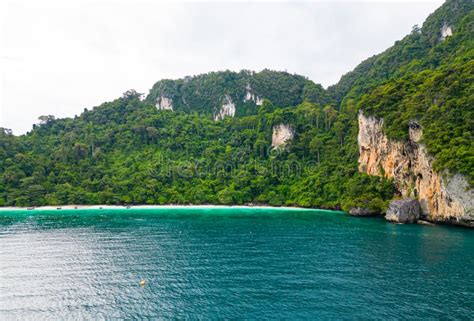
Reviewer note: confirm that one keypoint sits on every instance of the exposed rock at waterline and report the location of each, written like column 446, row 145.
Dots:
column 423, row 222
column 362, row 212
column 403, row 211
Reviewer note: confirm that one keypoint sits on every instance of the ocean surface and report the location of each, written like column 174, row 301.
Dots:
column 230, row 263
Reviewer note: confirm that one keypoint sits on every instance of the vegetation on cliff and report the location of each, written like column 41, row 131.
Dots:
column 439, row 97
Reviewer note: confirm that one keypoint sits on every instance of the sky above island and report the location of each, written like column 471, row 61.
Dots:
column 59, row 57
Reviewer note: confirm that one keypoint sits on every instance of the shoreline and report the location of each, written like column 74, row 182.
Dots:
column 68, row 208
column 169, row 206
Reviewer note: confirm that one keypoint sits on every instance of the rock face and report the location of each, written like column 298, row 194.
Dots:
column 403, row 211
column 164, row 103
column 362, row 212
column 442, row 199
column 446, row 31
column 251, row 96
column 227, row 109
column 282, row 135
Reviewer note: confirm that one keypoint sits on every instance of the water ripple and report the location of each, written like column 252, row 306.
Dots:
column 284, row 265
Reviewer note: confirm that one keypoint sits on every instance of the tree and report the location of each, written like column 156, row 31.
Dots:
column 131, row 93
column 44, row 120
column 416, row 29
column 316, row 144
column 330, row 114
column 261, row 145
column 152, row 133
column 225, row 196
column 80, row 150
column 339, row 130
column 5, row 131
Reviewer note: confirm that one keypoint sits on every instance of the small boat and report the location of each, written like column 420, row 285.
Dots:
column 30, row 208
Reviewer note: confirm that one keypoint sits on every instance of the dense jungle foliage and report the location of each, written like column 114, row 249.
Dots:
column 128, row 152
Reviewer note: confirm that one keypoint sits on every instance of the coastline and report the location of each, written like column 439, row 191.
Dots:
column 71, row 208
column 169, row 206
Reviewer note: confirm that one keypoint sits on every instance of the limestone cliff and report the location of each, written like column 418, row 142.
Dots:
column 164, row 103
column 227, row 109
column 446, row 31
column 443, row 198
column 282, row 135
column 251, row 96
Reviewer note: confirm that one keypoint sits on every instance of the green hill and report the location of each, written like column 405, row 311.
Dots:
column 129, row 151
column 245, row 89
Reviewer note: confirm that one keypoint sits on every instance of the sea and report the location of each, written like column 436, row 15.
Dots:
column 230, row 263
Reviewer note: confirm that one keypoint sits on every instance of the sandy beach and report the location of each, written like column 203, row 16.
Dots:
column 135, row 207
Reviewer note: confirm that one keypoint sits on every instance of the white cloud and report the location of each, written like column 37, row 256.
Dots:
column 61, row 57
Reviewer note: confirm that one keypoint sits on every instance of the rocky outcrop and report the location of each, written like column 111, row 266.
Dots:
column 403, row 211
column 227, row 109
column 443, row 198
column 164, row 103
column 282, row 135
column 251, row 96
column 362, row 212
column 446, row 31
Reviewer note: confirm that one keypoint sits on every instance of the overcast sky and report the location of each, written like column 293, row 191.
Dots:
column 59, row 57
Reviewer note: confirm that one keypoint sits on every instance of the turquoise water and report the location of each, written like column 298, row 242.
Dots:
column 230, row 263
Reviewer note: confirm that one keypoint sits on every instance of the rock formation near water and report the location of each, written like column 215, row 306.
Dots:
column 403, row 211
column 443, row 197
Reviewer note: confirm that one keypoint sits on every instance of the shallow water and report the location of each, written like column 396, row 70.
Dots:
column 230, row 263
